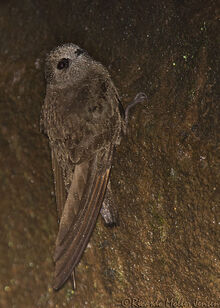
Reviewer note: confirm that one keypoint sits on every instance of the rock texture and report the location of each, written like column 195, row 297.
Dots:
column 166, row 171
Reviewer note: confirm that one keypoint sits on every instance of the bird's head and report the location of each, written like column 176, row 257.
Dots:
column 66, row 64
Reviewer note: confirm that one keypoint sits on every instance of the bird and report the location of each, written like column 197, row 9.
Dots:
column 84, row 119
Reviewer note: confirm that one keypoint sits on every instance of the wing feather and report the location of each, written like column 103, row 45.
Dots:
column 59, row 185
column 75, row 230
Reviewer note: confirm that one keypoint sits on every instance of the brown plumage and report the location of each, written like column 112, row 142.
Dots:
column 84, row 119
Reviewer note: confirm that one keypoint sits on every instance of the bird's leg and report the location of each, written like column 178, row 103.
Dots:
column 139, row 98
column 108, row 210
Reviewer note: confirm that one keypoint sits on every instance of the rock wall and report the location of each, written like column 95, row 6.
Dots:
column 165, row 175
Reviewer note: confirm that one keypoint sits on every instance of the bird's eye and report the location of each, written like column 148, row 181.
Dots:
column 63, row 63
column 79, row 51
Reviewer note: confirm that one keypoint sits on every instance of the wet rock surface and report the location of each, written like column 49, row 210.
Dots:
column 165, row 175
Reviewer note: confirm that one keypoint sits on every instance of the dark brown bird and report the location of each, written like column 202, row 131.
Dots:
column 84, row 120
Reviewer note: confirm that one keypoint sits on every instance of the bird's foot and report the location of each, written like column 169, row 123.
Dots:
column 139, row 98
column 108, row 211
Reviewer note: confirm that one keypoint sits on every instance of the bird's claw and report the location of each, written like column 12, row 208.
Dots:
column 139, row 98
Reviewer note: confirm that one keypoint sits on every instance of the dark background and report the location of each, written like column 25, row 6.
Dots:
column 165, row 174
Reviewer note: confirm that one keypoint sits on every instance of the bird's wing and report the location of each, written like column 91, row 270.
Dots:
column 86, row 193
column 60, row 195
column 59, row 184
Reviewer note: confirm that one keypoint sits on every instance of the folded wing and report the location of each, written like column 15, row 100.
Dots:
column 80, row 212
